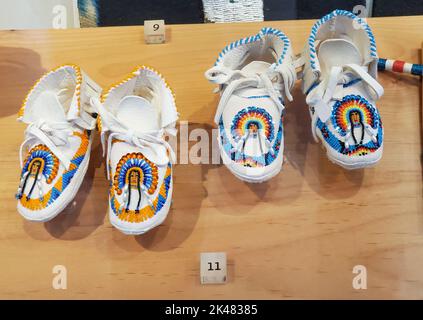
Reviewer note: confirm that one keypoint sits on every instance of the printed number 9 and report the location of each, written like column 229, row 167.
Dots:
column 156, row 27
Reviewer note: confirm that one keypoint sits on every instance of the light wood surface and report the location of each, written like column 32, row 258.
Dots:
column 297, row 236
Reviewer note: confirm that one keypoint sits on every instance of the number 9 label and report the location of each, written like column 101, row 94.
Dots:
column 154, row 31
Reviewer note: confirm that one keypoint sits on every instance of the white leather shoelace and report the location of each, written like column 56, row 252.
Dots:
column 236, row 79
column 143, row 140
column 333, row 90
column 112, row 127
column 51, row 134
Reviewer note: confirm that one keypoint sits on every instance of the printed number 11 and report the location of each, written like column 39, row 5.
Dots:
column 211, row 266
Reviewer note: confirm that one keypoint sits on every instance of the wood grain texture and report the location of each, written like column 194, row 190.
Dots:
column 296, row 236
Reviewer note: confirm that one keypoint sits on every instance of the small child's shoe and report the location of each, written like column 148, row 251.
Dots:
column 57, row 145
column 252, row 73
column 133, row 117
column 339, row 80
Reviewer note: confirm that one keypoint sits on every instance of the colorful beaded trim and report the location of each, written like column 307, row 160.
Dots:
column 135, row 163
column 241, row 157
column 148, row 211
column 252, row 116
column 63, row 181
column 352, row 111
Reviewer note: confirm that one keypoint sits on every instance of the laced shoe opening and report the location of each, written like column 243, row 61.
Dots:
column 344, row 28
column 60, row 83
column 268, row 49
column 147, row 93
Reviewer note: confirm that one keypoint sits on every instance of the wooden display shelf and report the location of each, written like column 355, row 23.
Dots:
column 296, row 236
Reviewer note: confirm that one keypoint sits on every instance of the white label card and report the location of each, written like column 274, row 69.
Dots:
column 154, row 31
column 213, row 267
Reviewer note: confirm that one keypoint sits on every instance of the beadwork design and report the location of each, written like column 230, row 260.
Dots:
column 148, row 211
column 135, row 163
column 351, row 113
column 252, row 116
column 64, row 180
column 246, row 160
column 41, row 158
column 252, row 162
column 353, row 110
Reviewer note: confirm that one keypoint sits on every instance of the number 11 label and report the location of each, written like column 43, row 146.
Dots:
column 213, row 267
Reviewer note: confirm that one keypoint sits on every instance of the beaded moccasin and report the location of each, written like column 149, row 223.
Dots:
column 133, row 117
column 56, row 150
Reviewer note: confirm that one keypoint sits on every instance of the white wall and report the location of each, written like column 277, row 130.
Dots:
column 38, row 14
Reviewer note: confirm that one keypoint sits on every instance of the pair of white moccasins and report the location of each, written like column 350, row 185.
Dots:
column 133, row 117
column 339, row 72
